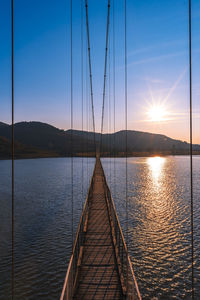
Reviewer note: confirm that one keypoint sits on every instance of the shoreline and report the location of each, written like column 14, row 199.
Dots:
column 103, row 156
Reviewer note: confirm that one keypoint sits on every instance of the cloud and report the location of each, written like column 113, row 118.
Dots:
column 160, row 45
column 156, row 46
column 156, row 58
column 173, row 88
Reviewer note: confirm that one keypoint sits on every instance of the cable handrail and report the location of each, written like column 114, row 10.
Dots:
column 129, row 294
column 67, row 292
column 126, row 251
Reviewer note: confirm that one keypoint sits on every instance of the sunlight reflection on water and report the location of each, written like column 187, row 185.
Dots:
column 156, row 167
column 159, row 222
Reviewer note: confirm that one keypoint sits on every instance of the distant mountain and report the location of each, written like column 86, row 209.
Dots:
column 138, row 141
column 3, row 124
column 44, row 137
column 21, row 150
column 37, row 139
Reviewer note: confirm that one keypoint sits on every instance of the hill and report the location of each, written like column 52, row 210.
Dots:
column 37, row 139
column 43, row 138
column 21, row 150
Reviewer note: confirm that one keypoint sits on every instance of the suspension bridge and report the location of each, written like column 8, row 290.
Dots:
column 100, row 266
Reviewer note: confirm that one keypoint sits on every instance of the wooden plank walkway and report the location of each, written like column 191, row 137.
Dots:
column 98, row 276
column 100, row 266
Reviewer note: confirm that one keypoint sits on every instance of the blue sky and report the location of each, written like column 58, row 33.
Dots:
column 157, row 35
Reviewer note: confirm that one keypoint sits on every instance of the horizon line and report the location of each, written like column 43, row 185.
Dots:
column 96, row 132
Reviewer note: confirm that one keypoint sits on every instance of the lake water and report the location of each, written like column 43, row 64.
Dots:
column 159, row 222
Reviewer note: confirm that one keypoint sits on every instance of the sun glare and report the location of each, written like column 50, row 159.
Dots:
column 157, row 113
column 156, row 165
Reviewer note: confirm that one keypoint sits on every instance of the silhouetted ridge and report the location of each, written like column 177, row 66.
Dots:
column 40, row 139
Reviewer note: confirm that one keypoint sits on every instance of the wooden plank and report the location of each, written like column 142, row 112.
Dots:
column 86, row 223
column 98, row 272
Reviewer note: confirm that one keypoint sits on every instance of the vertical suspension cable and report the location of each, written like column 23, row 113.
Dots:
column 114, row 97
column 109, row 105
column 105, row 72
column 126, row 128
column 13, row 150
column 82, row 100
column 126, row 100
column 90, row 70
column 191, row 155
column 87, row 101
column 72, row 162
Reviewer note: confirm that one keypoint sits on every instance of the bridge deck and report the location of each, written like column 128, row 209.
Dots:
column 98, row 272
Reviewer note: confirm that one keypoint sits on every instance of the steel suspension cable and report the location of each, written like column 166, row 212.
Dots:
column 114, row 96
column 126, row 128
column 191, row 148
column 82, row 175
column 105, row 72
column 72, row 162
column 86, row 107
column 90, row 70
column 109, row 105
column 126, row 117
column 13, row 149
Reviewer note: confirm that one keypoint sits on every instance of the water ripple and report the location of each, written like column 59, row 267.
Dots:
column 159, row 223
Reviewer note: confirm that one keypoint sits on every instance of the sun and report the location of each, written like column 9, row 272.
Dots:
column 157, row 113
